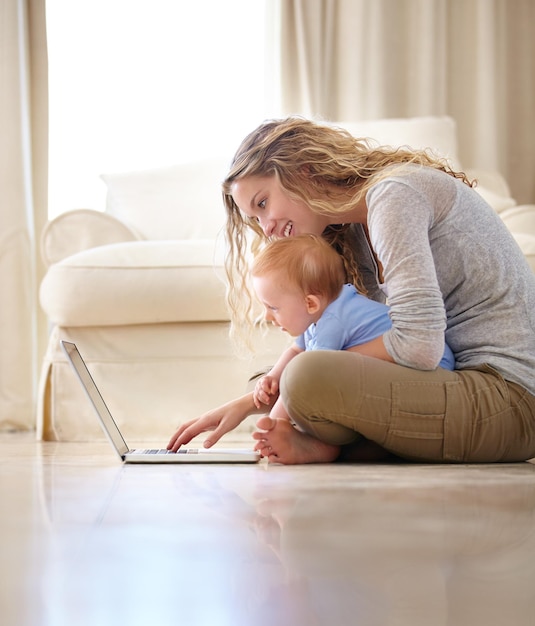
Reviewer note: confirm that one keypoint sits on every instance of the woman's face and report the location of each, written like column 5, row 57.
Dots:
column 262, row 198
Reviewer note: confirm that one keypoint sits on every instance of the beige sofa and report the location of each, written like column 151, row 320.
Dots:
column 140, row 289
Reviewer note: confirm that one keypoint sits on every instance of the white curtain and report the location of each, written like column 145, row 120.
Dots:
column 23, row 193
column 349, row 60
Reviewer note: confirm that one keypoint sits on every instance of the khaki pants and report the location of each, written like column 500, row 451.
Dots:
column 471, row 416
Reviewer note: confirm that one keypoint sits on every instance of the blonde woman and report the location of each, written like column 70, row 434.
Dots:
column 410, row 229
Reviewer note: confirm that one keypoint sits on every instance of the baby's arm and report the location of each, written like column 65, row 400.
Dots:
column 268, row 385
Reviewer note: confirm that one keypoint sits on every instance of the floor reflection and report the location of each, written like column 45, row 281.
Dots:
column 458, row 555
column 243, row 545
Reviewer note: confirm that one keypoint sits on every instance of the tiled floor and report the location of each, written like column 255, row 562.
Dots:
column 87, row 541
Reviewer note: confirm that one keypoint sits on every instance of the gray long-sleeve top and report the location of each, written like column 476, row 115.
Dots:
column 452, row 271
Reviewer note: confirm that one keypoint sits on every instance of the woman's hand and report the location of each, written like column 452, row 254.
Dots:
column 220, row 421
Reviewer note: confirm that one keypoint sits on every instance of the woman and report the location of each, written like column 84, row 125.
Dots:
column 412, row 230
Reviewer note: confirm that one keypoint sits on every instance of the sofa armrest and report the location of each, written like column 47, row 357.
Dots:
column 79, row 230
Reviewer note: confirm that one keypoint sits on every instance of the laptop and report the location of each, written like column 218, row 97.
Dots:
column 184, row 454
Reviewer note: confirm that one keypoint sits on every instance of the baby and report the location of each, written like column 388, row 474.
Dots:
column 300, row 282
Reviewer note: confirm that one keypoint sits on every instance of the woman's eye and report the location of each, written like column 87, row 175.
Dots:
column 262, row 204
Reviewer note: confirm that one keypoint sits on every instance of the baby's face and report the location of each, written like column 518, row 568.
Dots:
column 285, row 306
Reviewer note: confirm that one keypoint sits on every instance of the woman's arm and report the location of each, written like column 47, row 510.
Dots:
column 220, row 421
column 400, row 216
column 374, row 348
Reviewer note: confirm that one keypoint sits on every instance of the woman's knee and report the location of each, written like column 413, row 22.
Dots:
column 304, row 374
column 306, row 397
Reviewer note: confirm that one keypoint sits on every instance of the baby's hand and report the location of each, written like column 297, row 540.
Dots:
column 265, row 389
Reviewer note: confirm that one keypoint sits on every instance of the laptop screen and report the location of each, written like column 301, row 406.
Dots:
column 108, row 423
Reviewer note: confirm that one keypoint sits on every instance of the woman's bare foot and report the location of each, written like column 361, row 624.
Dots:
column 280, row 442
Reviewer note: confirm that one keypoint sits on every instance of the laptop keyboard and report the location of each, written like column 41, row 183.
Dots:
column 165, row 451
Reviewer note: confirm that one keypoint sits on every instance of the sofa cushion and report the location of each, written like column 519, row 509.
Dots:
column 141, row 282
column 178, row 202
column 184, row 201
column 438, row 133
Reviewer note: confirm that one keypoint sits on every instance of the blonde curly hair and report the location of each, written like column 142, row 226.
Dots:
column 319, row 164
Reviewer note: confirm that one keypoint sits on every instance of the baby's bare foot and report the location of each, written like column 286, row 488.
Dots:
column 280, row 442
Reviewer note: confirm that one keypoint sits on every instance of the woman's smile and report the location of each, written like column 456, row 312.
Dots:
column 288, row 230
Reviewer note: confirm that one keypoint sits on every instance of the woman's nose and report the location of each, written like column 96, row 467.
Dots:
column 267, row 225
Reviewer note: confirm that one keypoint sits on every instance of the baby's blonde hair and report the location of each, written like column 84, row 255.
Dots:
column 319, row 164
column 306, row 262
